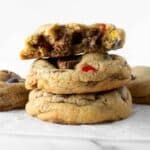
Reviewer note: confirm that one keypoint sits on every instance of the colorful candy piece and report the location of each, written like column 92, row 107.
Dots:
column 12, row 80
column 88, row 68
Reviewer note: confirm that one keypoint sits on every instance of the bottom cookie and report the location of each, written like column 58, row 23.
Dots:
column 80, row 109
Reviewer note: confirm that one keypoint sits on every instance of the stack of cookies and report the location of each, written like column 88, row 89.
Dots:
column 74, row 80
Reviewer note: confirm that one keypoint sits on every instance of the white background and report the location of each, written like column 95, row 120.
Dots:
column 19, row 18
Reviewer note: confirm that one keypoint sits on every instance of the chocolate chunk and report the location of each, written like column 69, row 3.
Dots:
column 93, row 37
column 68, row 62
column 125, row 63
column 133, row 77
column 77, row 38
column 12, row 80
column 65, row 62
column 123, row 93
column 62, row 47
column 114, row 57
column 59, row 32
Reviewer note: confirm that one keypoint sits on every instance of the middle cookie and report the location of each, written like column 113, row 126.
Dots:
column 89, row 73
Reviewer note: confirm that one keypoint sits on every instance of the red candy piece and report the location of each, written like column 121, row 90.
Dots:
column 88, row 68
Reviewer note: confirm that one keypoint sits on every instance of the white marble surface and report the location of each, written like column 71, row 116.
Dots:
column 16, row 127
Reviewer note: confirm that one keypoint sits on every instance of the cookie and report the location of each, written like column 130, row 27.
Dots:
column 141, row 100
column 80, row 109
column 72, row 39
column 93, row 73
column 12, row 91
column 140, row 84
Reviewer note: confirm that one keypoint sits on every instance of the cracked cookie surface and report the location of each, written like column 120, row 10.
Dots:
column 80, row 108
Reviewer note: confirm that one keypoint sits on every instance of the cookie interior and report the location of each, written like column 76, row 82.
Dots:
column 64, row 40
column 69, row 62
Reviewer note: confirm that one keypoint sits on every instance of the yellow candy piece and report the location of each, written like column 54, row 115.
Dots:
column 114, row 35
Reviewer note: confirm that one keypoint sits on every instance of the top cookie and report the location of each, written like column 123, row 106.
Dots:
column 140, row 85
column 72, row 39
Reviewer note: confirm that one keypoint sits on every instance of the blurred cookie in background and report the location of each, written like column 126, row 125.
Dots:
column 140, row 84
column 12, row 91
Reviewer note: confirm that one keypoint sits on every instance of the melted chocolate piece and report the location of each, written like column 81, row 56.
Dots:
column 133, row 77
column 114, row 57
column 12, row 80
column 94, row 38
column 59, row 33
column 65, row 62
column 77, row 38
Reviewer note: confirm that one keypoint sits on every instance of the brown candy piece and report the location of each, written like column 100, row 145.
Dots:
column 12, row 80
column 133, row 77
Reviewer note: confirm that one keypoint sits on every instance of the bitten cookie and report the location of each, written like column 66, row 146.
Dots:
column 89, row 73
column 12, row 91
column 80, row 109
column 72, row 39
column 140, row 85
